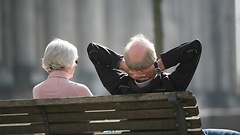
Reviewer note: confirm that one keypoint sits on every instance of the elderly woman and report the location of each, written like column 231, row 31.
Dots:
column 59, row 60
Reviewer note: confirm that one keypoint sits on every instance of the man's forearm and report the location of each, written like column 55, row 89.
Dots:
column 103, row 55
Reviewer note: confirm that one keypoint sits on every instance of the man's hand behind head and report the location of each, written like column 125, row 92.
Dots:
column 143, row 75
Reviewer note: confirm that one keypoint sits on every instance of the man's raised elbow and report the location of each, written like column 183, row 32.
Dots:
column 197, row 44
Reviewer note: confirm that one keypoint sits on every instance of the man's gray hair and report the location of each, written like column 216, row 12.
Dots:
column 150, row 58
column 59, row 54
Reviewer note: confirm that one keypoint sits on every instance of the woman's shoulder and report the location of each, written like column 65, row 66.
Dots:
column 38, row 86
column 79, row 85
column 81, row 89
column 76, row 84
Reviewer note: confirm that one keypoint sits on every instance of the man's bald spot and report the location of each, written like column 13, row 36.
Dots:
column 137, row 52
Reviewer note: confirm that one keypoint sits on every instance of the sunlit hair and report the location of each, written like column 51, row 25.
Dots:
column 59, row 54
column 150, row 58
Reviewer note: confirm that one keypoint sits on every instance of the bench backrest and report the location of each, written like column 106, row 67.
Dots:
column 170, row 113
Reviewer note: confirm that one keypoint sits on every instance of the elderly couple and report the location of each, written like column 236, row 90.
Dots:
column 138, row 70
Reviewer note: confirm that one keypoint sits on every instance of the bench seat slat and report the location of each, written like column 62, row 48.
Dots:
column 195, row 131
column 111, row 105
column 185, row 96
column 92, row 106
column 111, row 114
column 108, row 106
column 122, row 125
column 22, row 129
column 80, row 127
column 118, row 114
column 175, row 132
column 193, row 123
column 19, row 109
column 20, row 118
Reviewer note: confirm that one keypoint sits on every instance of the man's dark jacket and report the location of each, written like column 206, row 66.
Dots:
column 106, row 62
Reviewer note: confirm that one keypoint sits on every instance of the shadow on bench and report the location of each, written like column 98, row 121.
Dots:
column 169, row 113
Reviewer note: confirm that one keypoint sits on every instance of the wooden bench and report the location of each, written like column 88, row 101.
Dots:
column 170, row 113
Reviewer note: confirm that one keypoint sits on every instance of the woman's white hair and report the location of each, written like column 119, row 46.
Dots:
column 59, row 54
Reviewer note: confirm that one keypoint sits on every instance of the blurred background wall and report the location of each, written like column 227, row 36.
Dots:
column 27, row 26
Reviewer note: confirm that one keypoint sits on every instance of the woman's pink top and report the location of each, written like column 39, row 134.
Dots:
column 58, row 85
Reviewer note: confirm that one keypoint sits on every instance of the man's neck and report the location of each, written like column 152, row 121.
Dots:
column 143, row 83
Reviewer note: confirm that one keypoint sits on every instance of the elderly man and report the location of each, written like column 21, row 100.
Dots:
column 139, row 71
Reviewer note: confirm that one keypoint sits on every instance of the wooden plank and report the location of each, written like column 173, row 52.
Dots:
column 117, row 114
column 153, row 124
column 195, row 131
column 191, row 111
column 20, row 118
column 108, row 106
column 161, row 132
column 15, row 110
column 84, row 107
column 194, row 122
column 184, row 96
column 22, row 128
column 112, row 114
